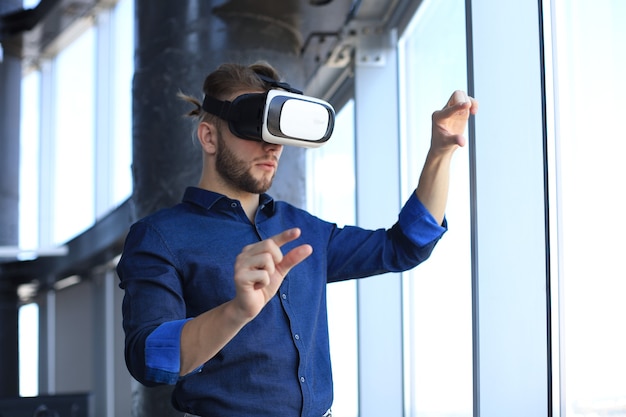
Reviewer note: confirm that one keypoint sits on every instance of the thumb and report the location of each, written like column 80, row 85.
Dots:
column 293, row 258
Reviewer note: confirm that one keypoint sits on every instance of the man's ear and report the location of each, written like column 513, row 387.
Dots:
column 207, row 136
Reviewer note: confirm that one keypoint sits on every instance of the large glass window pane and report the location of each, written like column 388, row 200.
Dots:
column 29, row 161
column 121, row 175
column 331, row 197
column 74, row 174
column 29, row 350
column 590, row 63
column 437, row 294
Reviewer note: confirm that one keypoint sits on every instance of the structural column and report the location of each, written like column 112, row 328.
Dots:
column 9, row 383
column 379, row 329
column 10, row 81
column 177, row 45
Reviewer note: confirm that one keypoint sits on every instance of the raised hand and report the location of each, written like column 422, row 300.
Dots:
column 448, row 124
column 447, row 135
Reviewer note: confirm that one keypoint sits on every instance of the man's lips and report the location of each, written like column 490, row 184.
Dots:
column 267, row 164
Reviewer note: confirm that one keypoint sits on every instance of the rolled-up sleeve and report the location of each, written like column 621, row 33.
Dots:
column 418, row 225
column 162, row 352
column 354, row 252
column 153, row 308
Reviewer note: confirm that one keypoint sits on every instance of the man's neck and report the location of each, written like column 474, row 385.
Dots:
column 249, row 201
column 250, row 204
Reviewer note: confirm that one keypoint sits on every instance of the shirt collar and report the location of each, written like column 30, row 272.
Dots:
column 206, row 199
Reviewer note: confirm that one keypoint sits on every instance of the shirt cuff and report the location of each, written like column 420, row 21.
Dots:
column 163, row 352
column 418, row 224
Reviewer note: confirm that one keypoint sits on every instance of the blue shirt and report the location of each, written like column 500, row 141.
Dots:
column 179, row 263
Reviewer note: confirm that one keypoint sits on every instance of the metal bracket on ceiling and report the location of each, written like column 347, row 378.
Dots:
column 364, row 43
column 373, row 43
column 342, row 54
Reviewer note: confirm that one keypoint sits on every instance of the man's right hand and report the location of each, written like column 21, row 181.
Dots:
column 260, row 269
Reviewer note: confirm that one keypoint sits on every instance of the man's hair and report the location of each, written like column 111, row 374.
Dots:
column 226, row 80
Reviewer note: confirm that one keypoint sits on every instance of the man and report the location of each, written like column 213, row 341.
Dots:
column 225, row 293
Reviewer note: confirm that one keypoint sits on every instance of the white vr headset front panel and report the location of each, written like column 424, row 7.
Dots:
column 294, row 119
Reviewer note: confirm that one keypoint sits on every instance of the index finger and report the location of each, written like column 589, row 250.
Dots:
column 459, row 96
column 286, row 236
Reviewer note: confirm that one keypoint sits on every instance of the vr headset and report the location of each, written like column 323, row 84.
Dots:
column 277, row 116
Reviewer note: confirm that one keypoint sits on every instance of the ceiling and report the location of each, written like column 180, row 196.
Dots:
column 326, row 34
column 326, row 31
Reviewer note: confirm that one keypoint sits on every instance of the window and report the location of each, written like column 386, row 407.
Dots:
column 77, row 114
column 437, row 294
column 117, row 173
column 589, row 66
column 73, row 156
column 75, row 145
column 29, row 162
column 29, row 350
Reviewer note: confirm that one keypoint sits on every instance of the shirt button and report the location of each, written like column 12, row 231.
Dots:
column 233, row 205
column 302, row 379
column 296, row 336
column 284, row 296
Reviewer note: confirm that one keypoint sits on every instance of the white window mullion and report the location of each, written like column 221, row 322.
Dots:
column 378, row 202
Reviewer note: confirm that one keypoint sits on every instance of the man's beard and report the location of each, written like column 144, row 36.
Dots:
column 236, row 172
